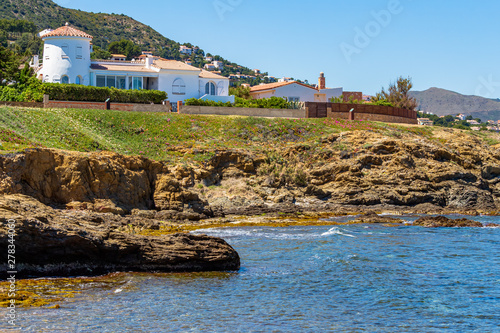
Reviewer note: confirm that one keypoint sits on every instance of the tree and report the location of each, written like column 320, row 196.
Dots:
column 99, row 53
column 9, row 65
column 240, row 91
column 125, row 47
column 398, row 94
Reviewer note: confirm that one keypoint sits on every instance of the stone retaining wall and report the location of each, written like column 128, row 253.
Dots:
column 112, row 106
column 232, row 111
column 23, row 104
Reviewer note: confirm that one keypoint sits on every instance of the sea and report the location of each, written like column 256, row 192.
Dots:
column 343, row 278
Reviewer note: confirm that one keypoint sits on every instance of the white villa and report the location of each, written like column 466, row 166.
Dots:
column 297, row 92
column 66, row 59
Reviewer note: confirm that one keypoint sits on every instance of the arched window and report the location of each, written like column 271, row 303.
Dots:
column 47, row 79
column 179, row 87
column 210, row 89
column 56, row 79
column 78, row 80
column 65, row 79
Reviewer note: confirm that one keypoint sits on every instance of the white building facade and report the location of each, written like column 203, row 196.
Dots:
column 295, row 92
column 66, row 59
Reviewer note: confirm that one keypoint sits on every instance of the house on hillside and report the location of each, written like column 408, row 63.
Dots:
column 209, row 67
column 185, row 50
column 218, row 64
column 296, row 91
column 66, row 59
column 118, row 57
column 425, row 122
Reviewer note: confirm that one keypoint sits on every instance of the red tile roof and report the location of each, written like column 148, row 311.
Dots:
column 275, row 85
column 67, row 31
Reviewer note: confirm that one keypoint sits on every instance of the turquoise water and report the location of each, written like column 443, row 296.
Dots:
column 356, row 278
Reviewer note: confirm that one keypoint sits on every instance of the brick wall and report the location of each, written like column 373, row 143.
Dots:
column 356, row 95
column 386, row 114
column 102, row 106
column 232, row 111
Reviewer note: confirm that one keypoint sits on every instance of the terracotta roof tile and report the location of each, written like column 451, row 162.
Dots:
column 67, row 31
column 173, row 64
column 275, row 85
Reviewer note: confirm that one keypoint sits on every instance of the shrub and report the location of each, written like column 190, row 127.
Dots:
column 9, row 94
column 269, row 103
column 75, row 92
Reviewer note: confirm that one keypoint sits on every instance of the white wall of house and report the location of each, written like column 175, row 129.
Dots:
column 179, row 92
column 66, row 56
column 300, row 93
column 332, row 93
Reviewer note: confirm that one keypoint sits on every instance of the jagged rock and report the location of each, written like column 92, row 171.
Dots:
column 51, row 243
column 444, row 222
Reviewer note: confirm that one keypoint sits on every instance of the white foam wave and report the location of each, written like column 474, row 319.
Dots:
column 336, row 231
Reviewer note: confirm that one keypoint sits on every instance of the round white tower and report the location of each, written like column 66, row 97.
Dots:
column 66, row 56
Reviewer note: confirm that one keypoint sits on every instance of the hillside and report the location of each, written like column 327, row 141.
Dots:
column 242, row 165
column 107, row 28
column 444, row 102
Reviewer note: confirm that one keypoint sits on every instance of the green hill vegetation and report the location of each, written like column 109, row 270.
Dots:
column 162, row 136
column 185, row 138
column 107, row 29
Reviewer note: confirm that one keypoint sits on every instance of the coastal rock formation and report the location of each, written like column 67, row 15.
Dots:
column 452, row 171
column 52, row 242
column 444, row 222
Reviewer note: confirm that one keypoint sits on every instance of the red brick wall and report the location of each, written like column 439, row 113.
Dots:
column 356, row 95
column 362, row 112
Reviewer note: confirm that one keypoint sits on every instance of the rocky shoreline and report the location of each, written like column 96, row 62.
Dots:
column 94, row 213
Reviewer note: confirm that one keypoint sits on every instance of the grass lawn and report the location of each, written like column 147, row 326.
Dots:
column 166, row 136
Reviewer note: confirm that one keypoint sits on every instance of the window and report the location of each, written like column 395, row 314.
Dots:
column 47, row 79
column 79, row 52
column 78, row 80
column 47, row 52
column 110, row 81
column 179, row 87
column 64, row 49
column 56, row 79
column 65, row 79
column 120, row 82
column 294, row 99
column 210, row 89
column 100, row 80
column 137, row 83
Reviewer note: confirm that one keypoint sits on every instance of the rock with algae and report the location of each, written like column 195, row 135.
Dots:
column 51, row 242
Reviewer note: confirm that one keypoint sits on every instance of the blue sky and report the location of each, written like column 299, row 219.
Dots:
column 361, row 45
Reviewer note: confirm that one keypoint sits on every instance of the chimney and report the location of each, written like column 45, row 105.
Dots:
column 149, row 62
column 322, row 81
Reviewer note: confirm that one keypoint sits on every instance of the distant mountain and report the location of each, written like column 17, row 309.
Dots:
column 444, row 102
